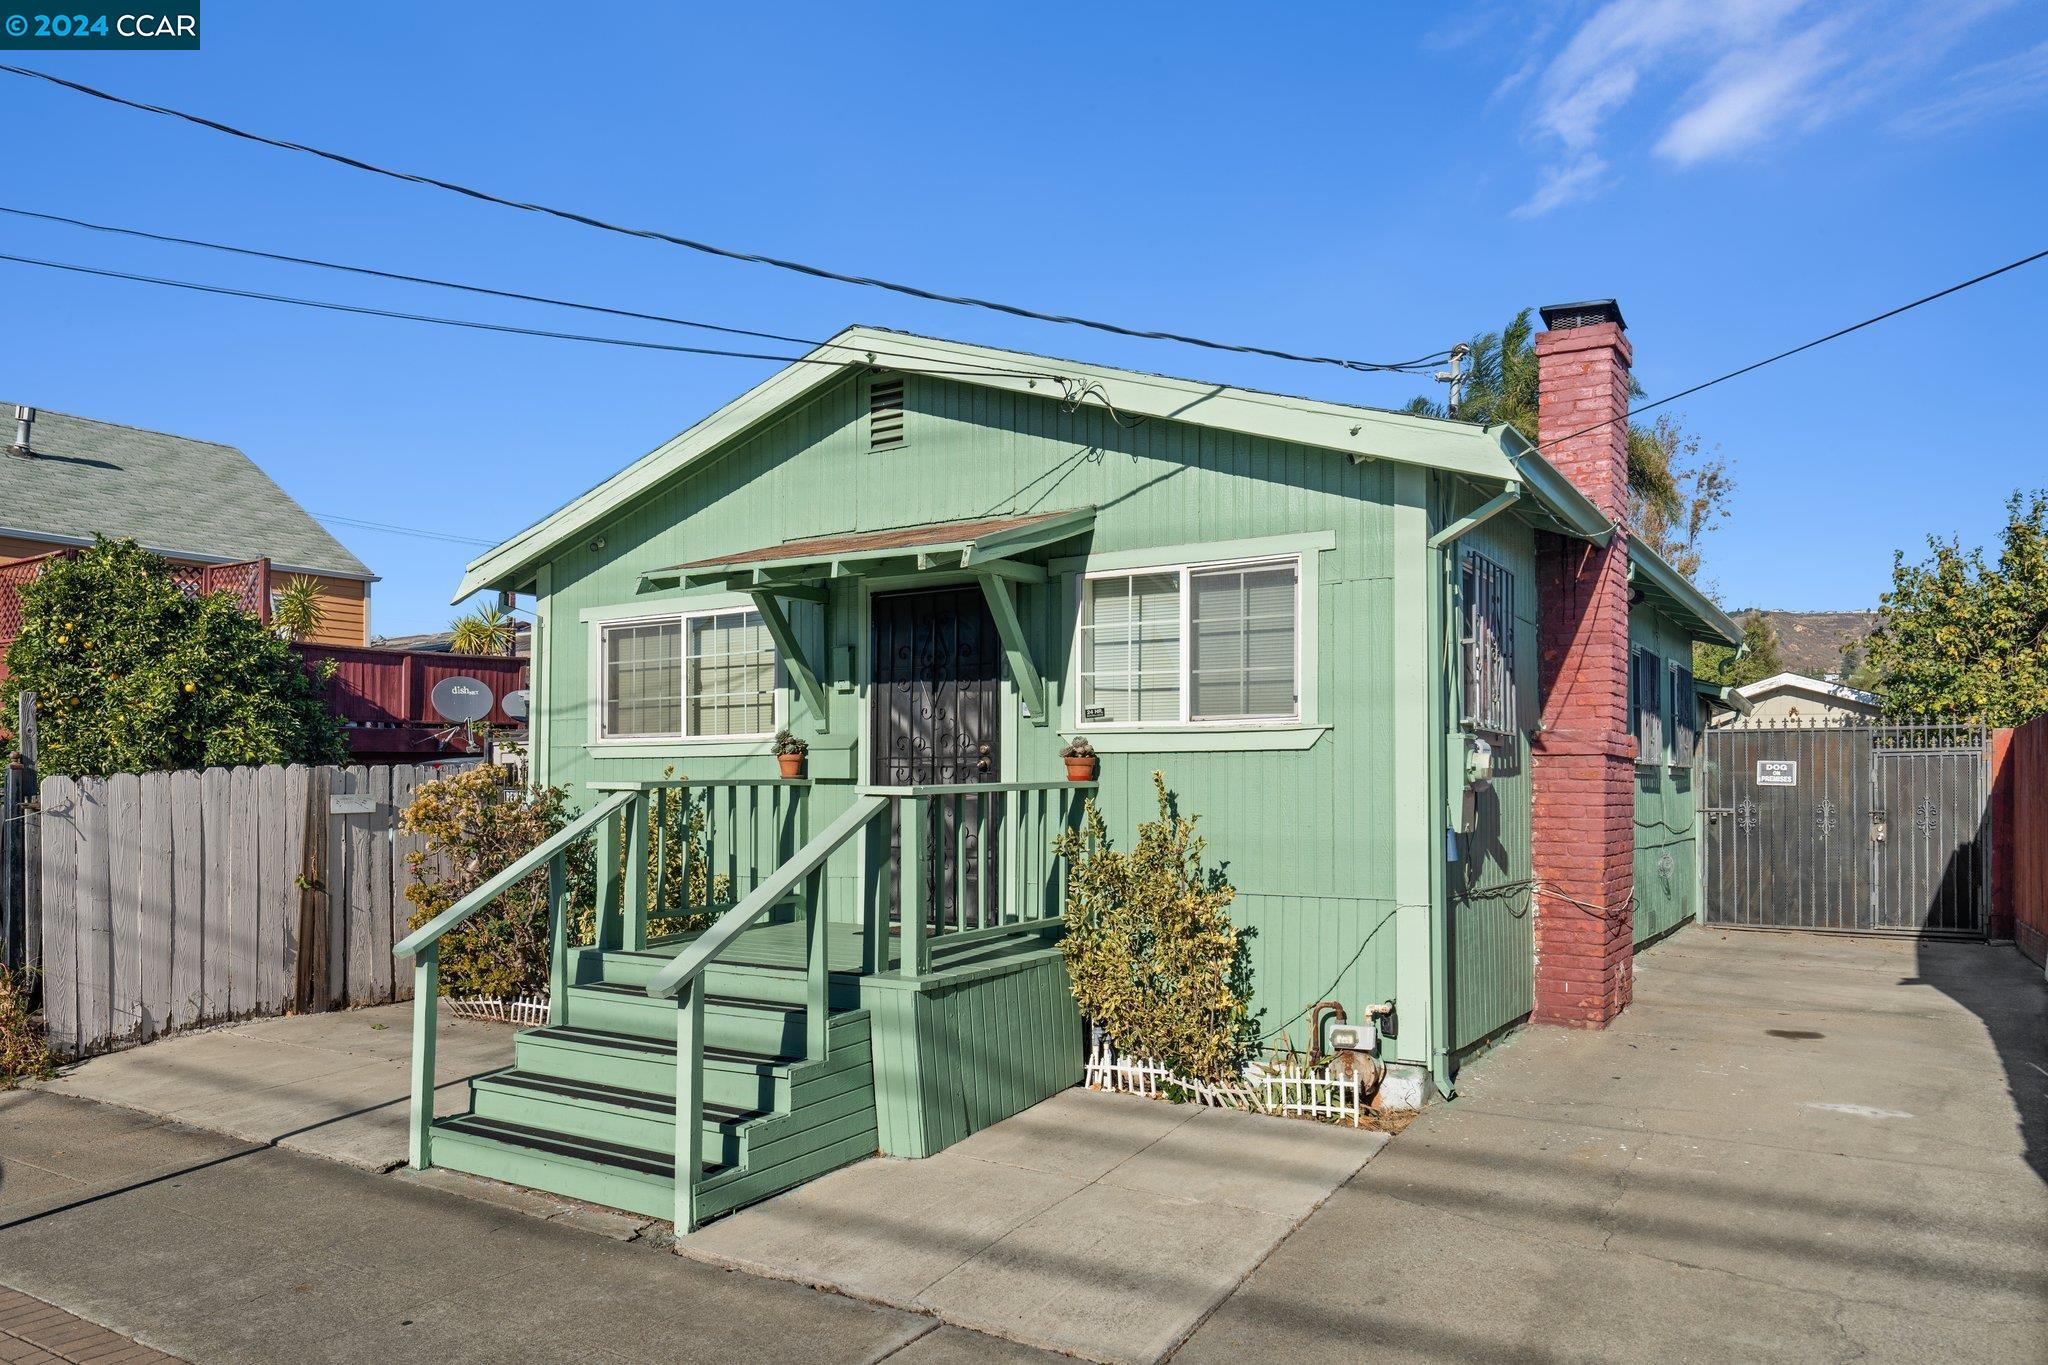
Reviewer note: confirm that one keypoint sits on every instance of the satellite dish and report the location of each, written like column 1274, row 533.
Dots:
column 460, row 700
column 515, row 704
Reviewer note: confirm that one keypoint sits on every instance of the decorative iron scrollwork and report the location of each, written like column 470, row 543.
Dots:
column 1927, row 817
column 1745, row 815
column 1824, row 819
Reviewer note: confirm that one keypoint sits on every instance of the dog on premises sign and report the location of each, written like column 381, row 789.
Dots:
column 1777, row 772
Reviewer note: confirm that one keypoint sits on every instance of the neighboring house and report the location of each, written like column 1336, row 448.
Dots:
column 1796, row 697
column 443, row 641
column 1434, row 711
column 64, row 479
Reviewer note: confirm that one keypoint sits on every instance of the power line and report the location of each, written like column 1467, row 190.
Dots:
column 708, row 248
column 469, row 324
column 484, row 290
column 1804, row 346
column 416, row 531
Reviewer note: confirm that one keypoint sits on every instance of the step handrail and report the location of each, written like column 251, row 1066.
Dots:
column 692, row 960
column 514, row 872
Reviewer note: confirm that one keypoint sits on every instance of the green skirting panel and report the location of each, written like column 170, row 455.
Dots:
column 956, row 1053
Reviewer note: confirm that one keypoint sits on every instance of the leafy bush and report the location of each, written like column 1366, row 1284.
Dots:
column 474, row 828
column 1154, row 957
column 475, row 825
column 23, row 1054
column 131, row 675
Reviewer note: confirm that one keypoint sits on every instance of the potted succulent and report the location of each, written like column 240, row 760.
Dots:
column 1080, row 757
column 789, row 753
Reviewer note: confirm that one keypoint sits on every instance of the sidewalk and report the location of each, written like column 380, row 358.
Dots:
column 218, row 1251
column 330, row 1085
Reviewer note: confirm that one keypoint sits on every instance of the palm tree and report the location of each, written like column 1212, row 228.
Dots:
column 487, row 630
column 295, row 609
column 1503, row 385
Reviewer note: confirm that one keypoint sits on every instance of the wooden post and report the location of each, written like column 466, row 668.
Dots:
column 426, row 996
column 558, row 939
column 818, row 975
column 635, row 816
column 911, row 888
column 605, row 932
column 689, row 1102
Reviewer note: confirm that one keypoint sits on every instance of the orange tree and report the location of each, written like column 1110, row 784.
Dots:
column 131, row 675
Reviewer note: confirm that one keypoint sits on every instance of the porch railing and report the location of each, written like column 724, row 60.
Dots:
column 999, row 834
column 660, row 854
column 971, row 864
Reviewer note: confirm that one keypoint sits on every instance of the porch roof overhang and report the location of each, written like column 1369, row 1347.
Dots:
column 1673, row 593
column 981, row 545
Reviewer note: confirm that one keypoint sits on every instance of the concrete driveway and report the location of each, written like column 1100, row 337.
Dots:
column 1789, row 1148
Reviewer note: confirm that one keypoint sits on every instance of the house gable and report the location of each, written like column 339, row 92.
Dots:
column 1497, row 455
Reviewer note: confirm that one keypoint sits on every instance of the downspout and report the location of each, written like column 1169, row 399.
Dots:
column 1443, row 631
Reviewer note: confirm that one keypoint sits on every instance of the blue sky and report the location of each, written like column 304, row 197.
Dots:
column 1741, row 175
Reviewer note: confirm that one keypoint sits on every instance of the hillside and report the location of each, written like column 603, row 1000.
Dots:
column 1811, row 642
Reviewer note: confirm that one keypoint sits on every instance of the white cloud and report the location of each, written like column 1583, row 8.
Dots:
column 1752, row 94
column 1982, row 92
column 1711, row 79
column 1561, row 184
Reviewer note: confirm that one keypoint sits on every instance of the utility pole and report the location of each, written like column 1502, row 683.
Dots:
column 1455, row 377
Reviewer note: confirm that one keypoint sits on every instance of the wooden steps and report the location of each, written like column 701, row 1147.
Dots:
column 587, row 1110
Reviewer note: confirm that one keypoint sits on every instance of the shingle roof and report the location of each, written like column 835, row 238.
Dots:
column 173, row 494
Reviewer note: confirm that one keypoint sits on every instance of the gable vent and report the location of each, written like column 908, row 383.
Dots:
column 885, row 413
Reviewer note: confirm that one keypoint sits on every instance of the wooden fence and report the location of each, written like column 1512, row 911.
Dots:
column 2020, row 841
column 180, row 898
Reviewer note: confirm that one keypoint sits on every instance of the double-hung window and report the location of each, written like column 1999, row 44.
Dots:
column 1646, row 704
column 1192, row 644
column 1685, row 716
column 701, row 675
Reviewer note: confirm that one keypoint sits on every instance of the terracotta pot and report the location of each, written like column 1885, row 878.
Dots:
column 1080, row 770
column 792, row 764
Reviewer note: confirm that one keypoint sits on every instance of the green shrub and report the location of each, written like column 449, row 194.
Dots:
column 474, row 825
column 1149, row 944
column 131, row 675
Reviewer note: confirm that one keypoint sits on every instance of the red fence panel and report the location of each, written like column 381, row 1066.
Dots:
column 2026, row 775
column 383, row 696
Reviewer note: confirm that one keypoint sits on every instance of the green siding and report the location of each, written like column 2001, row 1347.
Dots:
column 1492, row 933
column 1666, row 820
column 1318, row 884
column 954, row 1056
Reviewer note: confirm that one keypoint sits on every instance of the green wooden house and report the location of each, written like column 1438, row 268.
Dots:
column 937, row 563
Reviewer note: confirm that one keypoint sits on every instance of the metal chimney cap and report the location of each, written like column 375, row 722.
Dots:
column 1562, row 317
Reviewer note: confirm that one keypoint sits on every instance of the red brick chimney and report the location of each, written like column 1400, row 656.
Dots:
column 1584, row 756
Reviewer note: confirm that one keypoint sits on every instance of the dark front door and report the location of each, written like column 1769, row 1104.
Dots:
column 935, row 719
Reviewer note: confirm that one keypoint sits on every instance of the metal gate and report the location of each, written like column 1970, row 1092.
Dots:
column 1860, row 828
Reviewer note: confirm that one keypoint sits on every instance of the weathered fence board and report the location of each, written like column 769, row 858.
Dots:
column 58, row 797
column 188, row 899
column 172, row 899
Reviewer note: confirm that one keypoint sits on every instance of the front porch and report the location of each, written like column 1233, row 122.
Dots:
column 754, row 1003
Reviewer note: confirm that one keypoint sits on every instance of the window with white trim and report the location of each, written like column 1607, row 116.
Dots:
column 1192, row 644
column 700, row 675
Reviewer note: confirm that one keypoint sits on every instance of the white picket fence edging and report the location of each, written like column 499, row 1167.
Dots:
column 1282, row 1088
column 527, row 1011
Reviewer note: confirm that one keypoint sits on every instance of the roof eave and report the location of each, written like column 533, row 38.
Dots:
column 1694, row 608
column 1569, row 511
column 1362, row 433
